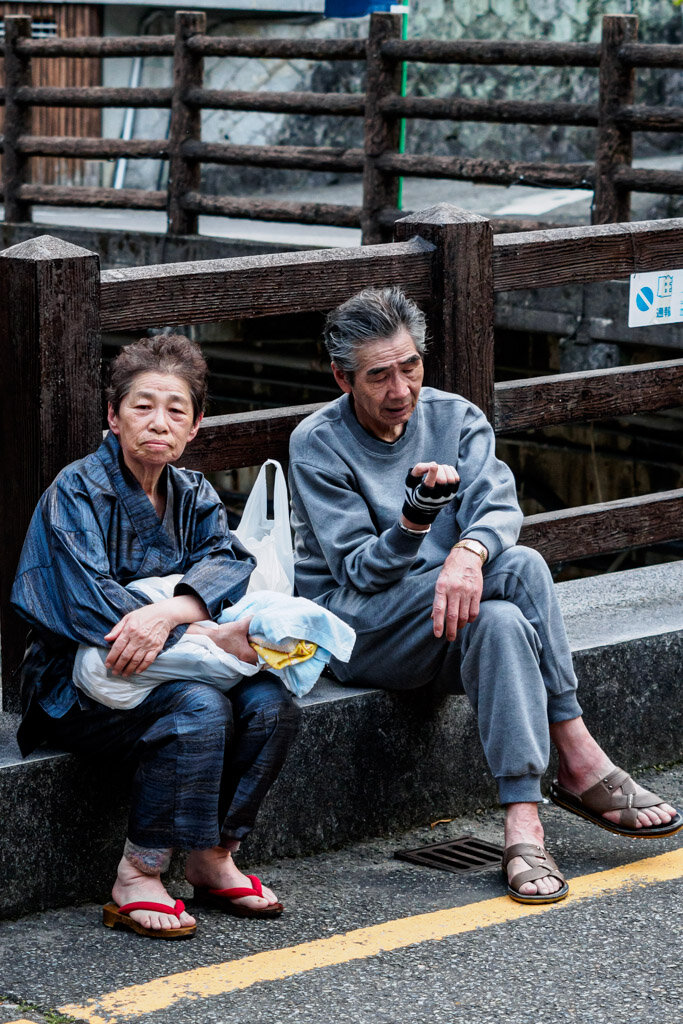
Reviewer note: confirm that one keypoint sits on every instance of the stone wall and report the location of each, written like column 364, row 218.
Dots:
column 577, row 20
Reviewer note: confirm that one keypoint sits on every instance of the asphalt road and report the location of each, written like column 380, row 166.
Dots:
column 367, row 939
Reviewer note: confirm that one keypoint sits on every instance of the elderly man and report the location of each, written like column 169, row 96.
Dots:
column 426, row 569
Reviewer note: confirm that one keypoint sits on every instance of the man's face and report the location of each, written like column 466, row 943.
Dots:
column 386, row 385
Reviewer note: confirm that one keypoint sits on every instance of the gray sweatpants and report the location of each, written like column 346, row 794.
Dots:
column 513, row 661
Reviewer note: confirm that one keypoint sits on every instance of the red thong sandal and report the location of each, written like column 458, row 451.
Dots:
column 222, row 900
column 119, row 917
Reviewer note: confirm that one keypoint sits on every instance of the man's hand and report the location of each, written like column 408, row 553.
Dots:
column 137, row 638
column 430, row 486
column 231, row 637
column 457, row 592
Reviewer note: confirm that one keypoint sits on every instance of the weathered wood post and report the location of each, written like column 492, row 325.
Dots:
column 612, row 202
column 184, row 174
column 51, row 409
column 381, row 133
column 461, row 316
column 17, row 118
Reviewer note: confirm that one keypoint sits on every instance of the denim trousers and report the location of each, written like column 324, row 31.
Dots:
column 201, row 760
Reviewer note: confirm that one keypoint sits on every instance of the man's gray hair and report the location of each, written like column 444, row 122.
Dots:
column 371, row 315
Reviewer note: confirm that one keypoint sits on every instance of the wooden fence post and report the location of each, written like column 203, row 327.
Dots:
column 50, row 396
column 17, row 119
column 381, row 134
column 184, row 174
column 612, row 202
column 461, row 315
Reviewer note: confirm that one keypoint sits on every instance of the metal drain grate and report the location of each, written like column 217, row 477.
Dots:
column 460, row 856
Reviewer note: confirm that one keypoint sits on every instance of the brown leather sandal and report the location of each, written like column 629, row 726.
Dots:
column 602, row 797
column 541, row 865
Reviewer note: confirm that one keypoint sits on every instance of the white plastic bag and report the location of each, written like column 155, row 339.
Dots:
column 269, row 540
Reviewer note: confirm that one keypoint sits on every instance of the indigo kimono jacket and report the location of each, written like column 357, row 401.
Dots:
column 93, row 531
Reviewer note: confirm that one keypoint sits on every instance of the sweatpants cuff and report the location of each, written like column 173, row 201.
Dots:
column 562, row 707
column 519, row 789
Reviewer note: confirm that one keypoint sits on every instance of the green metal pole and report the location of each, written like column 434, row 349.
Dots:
column 404, row 83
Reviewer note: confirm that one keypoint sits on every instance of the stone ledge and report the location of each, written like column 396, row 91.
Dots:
column 397, row 760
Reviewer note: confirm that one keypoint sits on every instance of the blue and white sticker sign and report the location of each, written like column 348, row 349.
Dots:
column 656, row 298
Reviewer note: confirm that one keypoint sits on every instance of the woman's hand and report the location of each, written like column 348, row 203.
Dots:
column 137, row 639
column 141, row 634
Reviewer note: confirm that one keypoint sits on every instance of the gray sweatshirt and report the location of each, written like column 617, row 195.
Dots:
column 347, row 489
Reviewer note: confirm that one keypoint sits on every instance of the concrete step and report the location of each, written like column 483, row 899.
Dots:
column 365, row 762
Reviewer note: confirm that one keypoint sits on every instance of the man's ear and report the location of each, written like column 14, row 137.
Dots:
column 341, row 379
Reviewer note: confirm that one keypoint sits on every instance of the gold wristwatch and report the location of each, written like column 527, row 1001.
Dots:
column 475, row 547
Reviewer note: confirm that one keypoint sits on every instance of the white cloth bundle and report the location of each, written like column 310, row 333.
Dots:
column 275, row 617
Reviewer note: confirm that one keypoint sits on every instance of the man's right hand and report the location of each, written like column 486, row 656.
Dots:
column 231, row 637
column 430, row 486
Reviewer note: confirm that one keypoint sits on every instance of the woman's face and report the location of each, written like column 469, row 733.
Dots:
column 155, row 420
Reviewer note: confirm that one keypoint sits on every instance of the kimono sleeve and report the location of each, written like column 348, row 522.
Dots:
column 220, row 566
column 64, row 584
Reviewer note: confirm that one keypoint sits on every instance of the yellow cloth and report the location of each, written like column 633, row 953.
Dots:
column 282, row 659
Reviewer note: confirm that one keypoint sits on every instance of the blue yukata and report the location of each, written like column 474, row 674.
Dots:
column 93, row 532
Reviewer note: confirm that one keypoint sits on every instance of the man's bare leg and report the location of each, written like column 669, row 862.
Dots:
column 523, row 825
column 582, row 763
column 139, row 880
column 215, row 869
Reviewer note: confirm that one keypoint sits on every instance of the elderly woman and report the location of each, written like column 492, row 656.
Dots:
column 202, row 761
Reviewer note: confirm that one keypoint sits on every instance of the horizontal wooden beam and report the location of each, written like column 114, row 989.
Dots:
column 648, row 179
column 609, row 527
column 496, row 111
column 651, row 119
column 277, row 49
column 93, row 96
column 652, row 55
column 133, row 298
column 333, row 103
column 532, row 53
column 92, row 149
column 244, row 439
column 589, row 395
column 601, row 252
column 95, row 46
column 492, row 172
column 105, row 198
column 313, row 158
column 283, row 212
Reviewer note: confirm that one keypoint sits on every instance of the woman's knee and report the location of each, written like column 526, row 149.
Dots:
column 268, row 699
column 198, row 707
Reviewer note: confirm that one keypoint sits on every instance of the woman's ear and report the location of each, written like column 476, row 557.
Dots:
column 195, row 427
column 112, row 419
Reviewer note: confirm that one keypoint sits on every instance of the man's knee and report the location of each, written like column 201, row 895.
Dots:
column 527, row 562
column 200, row 708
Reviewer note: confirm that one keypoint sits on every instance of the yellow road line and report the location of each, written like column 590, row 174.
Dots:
column 275, row 965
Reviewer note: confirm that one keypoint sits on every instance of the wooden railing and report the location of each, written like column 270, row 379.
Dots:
column 614, row 117
column 54, row 302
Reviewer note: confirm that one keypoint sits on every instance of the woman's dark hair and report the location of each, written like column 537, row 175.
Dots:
column 165, row 353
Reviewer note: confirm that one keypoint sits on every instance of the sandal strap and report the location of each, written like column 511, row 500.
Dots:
column 601, row 797
column 161, row 908
column 541, row 864
column 237, row 892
